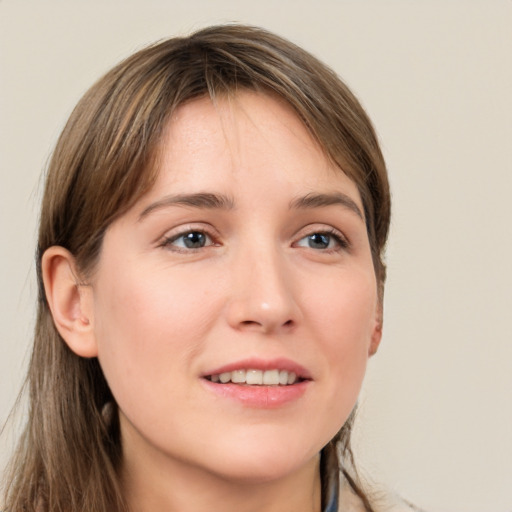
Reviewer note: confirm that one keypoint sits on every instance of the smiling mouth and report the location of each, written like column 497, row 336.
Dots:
column 252, row 377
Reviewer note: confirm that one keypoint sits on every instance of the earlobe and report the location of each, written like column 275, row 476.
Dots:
column 376, row 332
column 70, row 301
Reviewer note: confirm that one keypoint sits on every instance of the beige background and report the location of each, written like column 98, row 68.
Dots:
column 436, row 78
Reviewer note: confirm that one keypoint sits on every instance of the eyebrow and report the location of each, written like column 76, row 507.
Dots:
column 203, row 200
column 315, row 200
column 211, row 201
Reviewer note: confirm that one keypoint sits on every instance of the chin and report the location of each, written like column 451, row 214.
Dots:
column 258, row 472
column 264, row 461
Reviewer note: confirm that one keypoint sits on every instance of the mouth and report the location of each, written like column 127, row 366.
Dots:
column 258, row 383
column 255, row 377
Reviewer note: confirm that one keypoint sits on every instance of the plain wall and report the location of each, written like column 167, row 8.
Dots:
column 436, row 78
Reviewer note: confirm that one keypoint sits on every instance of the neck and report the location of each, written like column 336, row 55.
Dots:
column 168, row 486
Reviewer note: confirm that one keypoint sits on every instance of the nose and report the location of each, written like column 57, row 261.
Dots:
column 263, row 295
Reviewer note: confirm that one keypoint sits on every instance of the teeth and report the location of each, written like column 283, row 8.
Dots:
column 238, row 376
column 256, row 377
column 225, row 377
column 271, row 378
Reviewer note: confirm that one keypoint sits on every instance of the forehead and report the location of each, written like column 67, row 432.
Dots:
column 251, row 139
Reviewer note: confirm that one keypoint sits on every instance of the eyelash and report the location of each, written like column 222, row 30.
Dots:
column 340, row 241
column 169, row 241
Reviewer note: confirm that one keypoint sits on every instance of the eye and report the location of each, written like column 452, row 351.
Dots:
column 189, row 240
column 323, row 241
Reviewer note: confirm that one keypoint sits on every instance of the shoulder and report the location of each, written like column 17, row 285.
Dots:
column 382, row 501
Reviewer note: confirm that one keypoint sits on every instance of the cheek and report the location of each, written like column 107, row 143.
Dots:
column 148, row 329
column 346, row 319
column 344, row 309
column 146, row 305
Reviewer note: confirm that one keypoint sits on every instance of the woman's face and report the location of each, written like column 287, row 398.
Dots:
column 235, row 305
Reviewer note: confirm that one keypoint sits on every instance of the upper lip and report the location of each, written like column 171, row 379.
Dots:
column 262, row 364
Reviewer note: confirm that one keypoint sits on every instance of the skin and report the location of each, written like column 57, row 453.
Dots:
column 160, row 315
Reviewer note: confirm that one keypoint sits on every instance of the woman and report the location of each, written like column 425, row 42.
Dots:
column 211, row 282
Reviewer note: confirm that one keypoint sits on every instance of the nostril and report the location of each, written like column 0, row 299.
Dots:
column 249, row 322
column 265, row 325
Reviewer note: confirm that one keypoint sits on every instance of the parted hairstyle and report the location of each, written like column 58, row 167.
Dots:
column 106, row 159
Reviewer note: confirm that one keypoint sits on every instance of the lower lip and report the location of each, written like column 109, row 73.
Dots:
column 262, row 397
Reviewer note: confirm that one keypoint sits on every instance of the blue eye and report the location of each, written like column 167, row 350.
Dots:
column 189, row 240
column 322, row 241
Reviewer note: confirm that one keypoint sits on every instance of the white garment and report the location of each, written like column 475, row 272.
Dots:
column 381, row 501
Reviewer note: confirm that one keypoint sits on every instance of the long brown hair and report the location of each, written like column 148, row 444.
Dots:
column 105, row 160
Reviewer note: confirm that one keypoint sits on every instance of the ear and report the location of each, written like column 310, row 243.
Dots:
column 376, row 335
column 70, row 301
